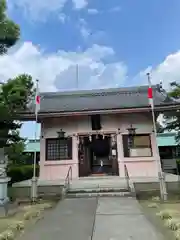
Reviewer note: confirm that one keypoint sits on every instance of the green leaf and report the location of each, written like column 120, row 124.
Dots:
column 9, row 31
column 15, row 95
column 172, row 118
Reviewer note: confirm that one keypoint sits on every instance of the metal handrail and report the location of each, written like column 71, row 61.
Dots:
column 127, row 176
column 68, row 178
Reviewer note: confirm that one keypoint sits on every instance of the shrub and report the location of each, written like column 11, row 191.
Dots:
column 32, row 214
column 20, row 173
column 165, row 214
column 153, row 205
column 44, row 206
column 156, row 199
column 17, row 226
column 173, row 224
column 7, row 235
column 177, row 235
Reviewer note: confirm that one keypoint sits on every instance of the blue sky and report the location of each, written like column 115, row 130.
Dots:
column 114, row 43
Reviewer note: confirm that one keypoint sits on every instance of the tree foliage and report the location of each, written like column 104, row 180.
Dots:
column 172, row 118
column 15, row 152
column 9, row 31
column 15, row 96
column 159, row 127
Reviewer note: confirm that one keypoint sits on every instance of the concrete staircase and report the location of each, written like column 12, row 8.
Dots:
column 98, row 187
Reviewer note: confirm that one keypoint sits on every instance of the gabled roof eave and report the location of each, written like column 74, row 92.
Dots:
column 162, row 108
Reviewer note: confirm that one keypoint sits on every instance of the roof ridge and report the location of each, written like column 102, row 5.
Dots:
column 100, row 99
column 96, row 92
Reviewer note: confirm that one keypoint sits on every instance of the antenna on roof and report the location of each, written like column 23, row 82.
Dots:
column 77, row 76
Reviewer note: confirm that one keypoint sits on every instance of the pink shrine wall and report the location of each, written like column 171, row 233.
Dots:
column 137, row 167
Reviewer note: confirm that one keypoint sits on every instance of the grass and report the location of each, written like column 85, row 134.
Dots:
column 14, row 225
column 165, row 216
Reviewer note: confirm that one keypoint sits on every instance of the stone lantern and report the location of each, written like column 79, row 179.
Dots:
column 131, row 134
column 3, row 180
column 61, row 134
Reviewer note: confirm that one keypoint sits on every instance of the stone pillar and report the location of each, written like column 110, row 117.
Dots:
column 34, row 189
column 154, row 146
column 75, row 155
column 155, row 153
column 4, row 200
column 120, row 153
column 161, row 175
column 75, row 148
column 42, row 157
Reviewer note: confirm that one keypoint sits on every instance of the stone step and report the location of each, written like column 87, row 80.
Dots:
column 97, row 190
column 98, row 194
column 99, row 178
column 97, row 185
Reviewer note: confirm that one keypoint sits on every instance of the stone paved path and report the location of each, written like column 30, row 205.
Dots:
column 94, row 219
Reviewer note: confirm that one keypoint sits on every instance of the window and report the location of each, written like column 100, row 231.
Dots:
column 166, row 152
column 140, row 146
column 58, row 149
column 96, row 122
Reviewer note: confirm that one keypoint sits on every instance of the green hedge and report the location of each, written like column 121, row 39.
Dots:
column 21, row 173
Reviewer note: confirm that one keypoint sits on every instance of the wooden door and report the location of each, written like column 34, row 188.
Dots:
column 115, row 166
column 82, row 158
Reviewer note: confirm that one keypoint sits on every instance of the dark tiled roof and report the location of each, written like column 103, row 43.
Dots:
column 103, row 99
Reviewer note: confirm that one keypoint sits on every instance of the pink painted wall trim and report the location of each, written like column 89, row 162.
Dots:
column 61, row 162
column 142, row 169
column 111, row 122
column 58, row 171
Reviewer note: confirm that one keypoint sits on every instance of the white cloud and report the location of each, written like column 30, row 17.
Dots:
column 62, row 17
column 84, row 29
column 88, row 34
column 39, row 9
column 93, row 11
column 79, row 4
column 167, row 71
column 57, row 70
column 85, row 32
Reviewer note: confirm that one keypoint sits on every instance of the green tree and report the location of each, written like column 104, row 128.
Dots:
column 159, row 127
column 15, row 152
column 172, row 118
column 15, row 96
column 9, row 31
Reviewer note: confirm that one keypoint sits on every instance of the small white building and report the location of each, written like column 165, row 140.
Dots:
column 91, row 131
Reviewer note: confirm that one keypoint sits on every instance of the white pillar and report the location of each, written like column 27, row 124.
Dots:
column 42, row 157
column 75, row 148
column 3, row 180
column 120, row 153
column 3, row 188
column 155, row 152
column 34, row 189
column 155, row 149
column 75, row 155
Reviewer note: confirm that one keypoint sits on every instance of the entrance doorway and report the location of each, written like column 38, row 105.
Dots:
column 100, row 160
column 95, row 156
